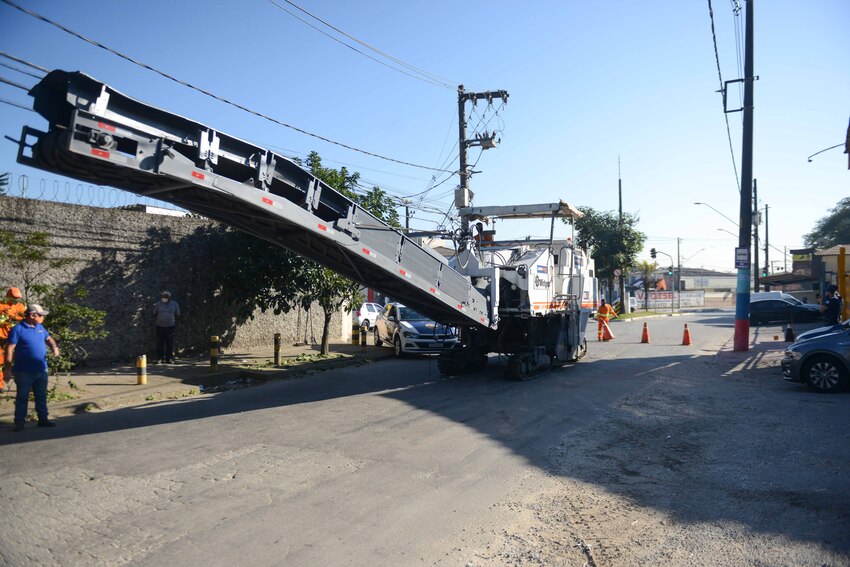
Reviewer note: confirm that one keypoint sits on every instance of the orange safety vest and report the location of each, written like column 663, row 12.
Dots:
column 605, row 312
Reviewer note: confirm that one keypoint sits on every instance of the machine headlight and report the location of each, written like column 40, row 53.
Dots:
column 410, row 334
column 793, row 354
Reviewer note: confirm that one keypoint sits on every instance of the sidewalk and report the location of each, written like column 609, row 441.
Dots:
column 99, row 388
column 766, row 348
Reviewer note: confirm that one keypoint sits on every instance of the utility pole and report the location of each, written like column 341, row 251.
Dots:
column 741, row 342
column 463, row 196
column 679, row 273
column 766, row 243
column 624, row 303
column 756, row 236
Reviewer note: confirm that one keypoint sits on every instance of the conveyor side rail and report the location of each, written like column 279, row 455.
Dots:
column 98, row 135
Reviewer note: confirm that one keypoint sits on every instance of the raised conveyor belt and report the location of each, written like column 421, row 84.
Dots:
column 98, row 135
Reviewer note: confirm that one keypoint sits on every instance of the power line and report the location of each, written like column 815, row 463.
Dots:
column 209, row 94
column 426, row 76
column 19, row 70
column 10, row 103
column 27, row 63
column 720, row 78
column 14, row 84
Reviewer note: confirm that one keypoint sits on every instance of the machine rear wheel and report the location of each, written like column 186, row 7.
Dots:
column 377, row 335
column 399, row 350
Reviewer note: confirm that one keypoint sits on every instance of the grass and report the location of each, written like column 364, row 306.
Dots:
column 638, row 314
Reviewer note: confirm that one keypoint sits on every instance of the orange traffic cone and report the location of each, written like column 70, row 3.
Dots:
column 607, row 335
column 686, row 337
column 644, row 338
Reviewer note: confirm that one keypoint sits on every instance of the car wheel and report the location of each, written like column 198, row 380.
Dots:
column 824, row 374
column 399, row 350
column 366, row 322
column 378, row 341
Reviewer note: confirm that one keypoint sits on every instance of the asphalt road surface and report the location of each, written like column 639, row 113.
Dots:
column 642, row 454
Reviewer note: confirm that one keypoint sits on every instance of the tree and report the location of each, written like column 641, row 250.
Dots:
column 646, row 269
column 257, row 273
column 833, row 229
column 70, row 323
column 612, row 244
column 29, row 255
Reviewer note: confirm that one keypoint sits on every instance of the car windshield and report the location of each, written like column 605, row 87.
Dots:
column 408, row 314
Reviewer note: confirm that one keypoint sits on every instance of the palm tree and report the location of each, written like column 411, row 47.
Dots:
column 645, row 267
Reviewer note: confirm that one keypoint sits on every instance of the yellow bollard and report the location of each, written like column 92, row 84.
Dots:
column 364, row 330
column 214, row 345
column 355, row 332
column 277, row 349
column 142, row 370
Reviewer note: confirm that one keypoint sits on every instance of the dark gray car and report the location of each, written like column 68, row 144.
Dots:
column 822, row 362
column 770, row 310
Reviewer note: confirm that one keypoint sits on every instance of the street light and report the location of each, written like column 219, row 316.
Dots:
column 716, row 211
column 728, row 232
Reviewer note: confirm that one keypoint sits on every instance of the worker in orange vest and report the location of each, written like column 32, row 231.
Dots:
column 11, row 313
column 603, row 315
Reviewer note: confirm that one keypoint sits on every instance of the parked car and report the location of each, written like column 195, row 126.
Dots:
column 822, row 362
column 411, row 332
column 756, row 295
column 814, row 333
column 779, row 310
column 367, row 314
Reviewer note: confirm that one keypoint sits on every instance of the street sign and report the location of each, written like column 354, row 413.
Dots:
column 617, row 272
column 742, row 258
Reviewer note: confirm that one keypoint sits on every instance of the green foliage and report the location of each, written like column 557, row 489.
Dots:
column 646, row 269
column 70, row 324
column 256, row 273
column 29, row 255
column 5, row 178
column 612, row 243
column 833, row 229
column 375, row 200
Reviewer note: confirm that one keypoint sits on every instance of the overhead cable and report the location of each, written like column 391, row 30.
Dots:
column 10, row 103
column 425, row 76
column 27, row 63
column 722, row 88
column 211, row 95
column 19, row 70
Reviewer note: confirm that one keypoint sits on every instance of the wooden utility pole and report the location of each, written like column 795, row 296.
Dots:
column 463, row 196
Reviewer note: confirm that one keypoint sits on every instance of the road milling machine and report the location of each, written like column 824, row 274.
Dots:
column 529, row 300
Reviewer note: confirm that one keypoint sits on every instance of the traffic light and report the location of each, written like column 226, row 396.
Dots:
column 652, row 253
column 764, row 272
column 670, row 271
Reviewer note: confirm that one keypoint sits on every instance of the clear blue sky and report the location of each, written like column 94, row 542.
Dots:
column 588, row 82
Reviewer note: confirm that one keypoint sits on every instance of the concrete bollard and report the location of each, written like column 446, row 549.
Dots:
column 142, row 370
column 277, row 349
column 215, row 343
column 364, row 331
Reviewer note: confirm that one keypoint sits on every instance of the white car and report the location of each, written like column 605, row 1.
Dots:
column 410, row 332
column 367, row 314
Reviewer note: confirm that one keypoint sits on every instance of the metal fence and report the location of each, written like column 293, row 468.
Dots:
column 78, row 193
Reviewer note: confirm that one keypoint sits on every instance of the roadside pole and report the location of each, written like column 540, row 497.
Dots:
column 742, row 300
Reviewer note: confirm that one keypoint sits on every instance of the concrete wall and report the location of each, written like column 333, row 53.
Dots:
column 126, row 258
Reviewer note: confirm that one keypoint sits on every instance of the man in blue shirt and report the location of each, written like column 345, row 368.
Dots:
column 26, row 355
